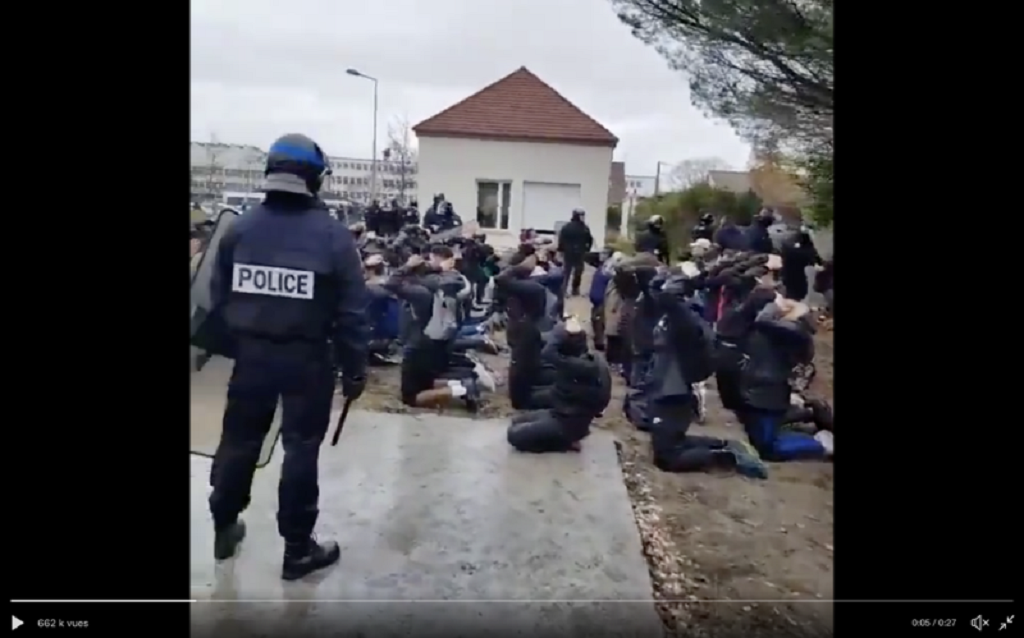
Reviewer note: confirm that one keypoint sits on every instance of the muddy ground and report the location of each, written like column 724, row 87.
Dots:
column 736, row 545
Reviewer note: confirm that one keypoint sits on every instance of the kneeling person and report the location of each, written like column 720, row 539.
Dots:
column 529, row 380
column 433, row 293
column 781, row 339
column 582, row 391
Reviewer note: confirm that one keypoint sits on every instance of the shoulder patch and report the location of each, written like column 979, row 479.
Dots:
column 273, row 281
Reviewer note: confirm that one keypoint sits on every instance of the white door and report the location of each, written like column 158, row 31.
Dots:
column 546, row 204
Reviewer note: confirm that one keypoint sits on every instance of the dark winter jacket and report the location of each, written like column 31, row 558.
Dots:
column 758, row 239
column 772, row 349
column 574, row 239
column 655, row 242
column 526, row 302
column 583, row 383
column 702, row 231
column 679, row 334
column 437, row 221
column 731, row 237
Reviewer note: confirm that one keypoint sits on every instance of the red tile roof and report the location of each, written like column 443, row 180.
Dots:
column 518, row 107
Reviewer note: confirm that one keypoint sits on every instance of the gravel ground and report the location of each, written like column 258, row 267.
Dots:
column 725, row 552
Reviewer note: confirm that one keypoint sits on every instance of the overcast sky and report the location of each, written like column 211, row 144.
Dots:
column 261, row 68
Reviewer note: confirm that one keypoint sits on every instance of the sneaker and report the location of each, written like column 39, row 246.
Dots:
column 227, row 540
column 484, row 377
column 306, row 557
column 748, row 463
column 700, row 391
column 826, row 439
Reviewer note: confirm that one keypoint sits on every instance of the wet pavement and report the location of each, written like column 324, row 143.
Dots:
column 444, row 529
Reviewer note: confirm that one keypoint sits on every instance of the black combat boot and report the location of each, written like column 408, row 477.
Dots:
column 227, row 540
column 306, row 557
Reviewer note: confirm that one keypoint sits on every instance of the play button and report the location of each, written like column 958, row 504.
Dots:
column 16, row 622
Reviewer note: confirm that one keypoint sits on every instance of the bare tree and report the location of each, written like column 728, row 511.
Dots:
column 401, row 154
column 690, row 172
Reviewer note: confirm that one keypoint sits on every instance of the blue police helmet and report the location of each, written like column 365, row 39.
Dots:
column 295, row 164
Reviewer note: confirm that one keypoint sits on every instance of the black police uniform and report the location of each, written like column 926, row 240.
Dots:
column 705, row 229
column 574, row 242
column 287, row 283
column 654, row 241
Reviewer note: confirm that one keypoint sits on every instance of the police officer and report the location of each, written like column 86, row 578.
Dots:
column 411, row 215
column 288, row 281
column 705, row 228
column 653, row 239
column 574, row 242
column 758, row 239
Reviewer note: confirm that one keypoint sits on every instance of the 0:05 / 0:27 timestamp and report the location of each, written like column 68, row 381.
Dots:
column 933, row 622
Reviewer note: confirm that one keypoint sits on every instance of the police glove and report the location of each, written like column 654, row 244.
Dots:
column 353, row 386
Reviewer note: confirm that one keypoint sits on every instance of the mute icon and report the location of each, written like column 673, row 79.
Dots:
column 979, row 623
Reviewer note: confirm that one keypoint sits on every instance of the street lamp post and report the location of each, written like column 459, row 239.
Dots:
column 373, row 164
column 657, row 178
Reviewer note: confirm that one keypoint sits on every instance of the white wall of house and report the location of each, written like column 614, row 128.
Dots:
column 456, row 166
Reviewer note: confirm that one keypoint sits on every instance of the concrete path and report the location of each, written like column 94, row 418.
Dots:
column 444, row 531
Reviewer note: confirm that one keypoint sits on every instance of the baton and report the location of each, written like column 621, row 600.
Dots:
column 341, row 421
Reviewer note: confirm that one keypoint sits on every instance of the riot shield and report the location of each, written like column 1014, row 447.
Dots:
column 200, row 291
column 210, row 373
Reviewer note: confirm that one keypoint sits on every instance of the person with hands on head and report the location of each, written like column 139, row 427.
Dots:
column 779, row 340
column 582, row 390
column 530, row 308
column 434, row 293
column 683, row 357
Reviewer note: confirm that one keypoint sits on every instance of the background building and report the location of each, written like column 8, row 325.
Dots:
column 518, row 155
column 351, row 180
column 221, row 168
column 640, row 186
column 223, row 171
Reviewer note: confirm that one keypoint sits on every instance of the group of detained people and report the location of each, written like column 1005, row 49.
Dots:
column 725, row 315
column 554, row 380
column 736, row 314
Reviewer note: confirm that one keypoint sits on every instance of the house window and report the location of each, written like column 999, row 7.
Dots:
column 492, row 204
